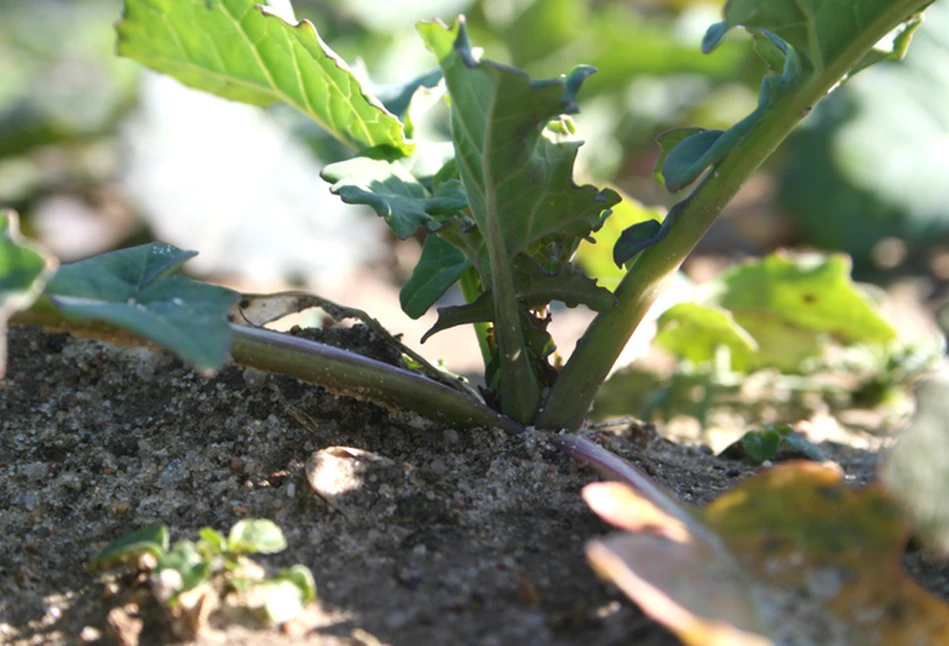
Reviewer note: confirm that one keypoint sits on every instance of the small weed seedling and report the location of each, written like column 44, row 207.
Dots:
column 192, row 579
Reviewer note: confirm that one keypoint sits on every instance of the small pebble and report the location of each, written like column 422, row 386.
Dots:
column 438, row 467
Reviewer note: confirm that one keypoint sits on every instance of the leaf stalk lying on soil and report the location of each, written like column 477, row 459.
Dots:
column 341, row 372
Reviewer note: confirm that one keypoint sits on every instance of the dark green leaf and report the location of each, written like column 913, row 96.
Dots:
column 804, row 447
column 24, row 269
column 479, row 311
column 243, row 51
column 667, row 141
column 638, row 237
column 392, row 192
column 148, row 540
column 256, row 536
column 134, row 289
column 440, row 266
column 760, row 446
column 397, row 97
column 686, row 160
column 569, row 285
column 596, row 256
column 766, row 444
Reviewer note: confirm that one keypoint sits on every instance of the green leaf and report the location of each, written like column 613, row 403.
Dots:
column 256, row 536
column 684, row 162
column 787, row 304
column 533, row 287
column 135, row 290
column 801, row 39
column 596, row 255
column 147, row 540
column 696, row 331
column 517, row 172
column 819, row 31
column 392, row 192
column 212, row 542
column 667, row 141
column 767, row 443
column 185, row 558
column 283, row 600
column 300, row 576
column 518, row 177
column 638, row 237
column 243, row 51
column 481, row 310
column 440, row 266
column 24, row 269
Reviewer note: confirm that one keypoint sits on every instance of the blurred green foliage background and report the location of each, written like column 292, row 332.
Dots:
column 97, row 153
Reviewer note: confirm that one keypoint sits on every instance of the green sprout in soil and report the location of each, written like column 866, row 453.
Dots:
column 190, row 576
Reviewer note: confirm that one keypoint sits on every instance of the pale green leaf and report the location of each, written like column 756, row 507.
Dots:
column 245, row 51
column 24, row 269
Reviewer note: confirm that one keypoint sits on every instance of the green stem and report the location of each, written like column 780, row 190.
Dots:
column 570, row 398
column 341, row 372
column 471, row 290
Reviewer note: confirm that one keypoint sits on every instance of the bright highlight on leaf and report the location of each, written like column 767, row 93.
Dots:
column 791, row 556
column 24, row 269
column 775, row 312
column 135, row 289
column 244, row 51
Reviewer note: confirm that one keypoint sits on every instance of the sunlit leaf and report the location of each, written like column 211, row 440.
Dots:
column 246, row 51
column 135, row 289
column 788, row 303
column 256, row 536
column 596, row 257
column 24, row 269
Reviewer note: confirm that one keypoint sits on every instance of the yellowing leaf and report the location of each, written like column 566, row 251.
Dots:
column 791, row 556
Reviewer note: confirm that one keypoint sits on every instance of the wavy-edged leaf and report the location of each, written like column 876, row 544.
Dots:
column 440, row 267
column 695, row 332
column 787, row 303
column 595, row 255
column 798, row 40
column 517, row 172
column 481, row 310
column 135, row 289
column 25, row 267
column 533, row 287
column 244, row 51
column 818, row 30
column 392, row 192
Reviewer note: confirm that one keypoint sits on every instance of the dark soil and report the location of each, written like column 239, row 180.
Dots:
column 421, row 536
